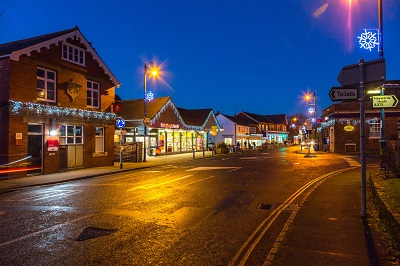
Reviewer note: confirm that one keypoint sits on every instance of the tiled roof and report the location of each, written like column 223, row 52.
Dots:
column 16, row 49
column 257, row 118
column 190, row 119
column 8, row 48
column 240, row 120
column 194, row 117
column 277, row 119
column 134, row 109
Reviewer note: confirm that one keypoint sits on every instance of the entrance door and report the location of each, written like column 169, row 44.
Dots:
column 331, row 139
column 35, row 148
column 75, row 156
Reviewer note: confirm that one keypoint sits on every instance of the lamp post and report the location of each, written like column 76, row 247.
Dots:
column 154, row 72
column 308, row 97
column 380, row 29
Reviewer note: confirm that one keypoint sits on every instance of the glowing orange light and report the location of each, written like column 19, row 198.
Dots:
column 154, row 71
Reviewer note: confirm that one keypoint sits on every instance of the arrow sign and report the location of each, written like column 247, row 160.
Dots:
column 384, row 101
column 374, row 71
column 120, row 123
column 343, row 94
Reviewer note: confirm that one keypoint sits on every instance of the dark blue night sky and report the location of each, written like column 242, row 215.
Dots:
column 258, row 56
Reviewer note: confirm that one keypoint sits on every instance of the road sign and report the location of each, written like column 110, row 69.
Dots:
column 384, row 101
column 146, row 121
column 343, row 94
column 374, row 71
column 120, row 123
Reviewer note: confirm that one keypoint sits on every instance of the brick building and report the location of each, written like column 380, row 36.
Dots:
column 55, row 98
column 341, row 125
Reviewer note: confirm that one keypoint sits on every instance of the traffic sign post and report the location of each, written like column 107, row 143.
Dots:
column 120, row 123
column 343, row 94
column 359, row 75
column 374, row 71
column 384, row 101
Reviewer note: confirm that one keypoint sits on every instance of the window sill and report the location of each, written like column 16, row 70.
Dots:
column 99, row 154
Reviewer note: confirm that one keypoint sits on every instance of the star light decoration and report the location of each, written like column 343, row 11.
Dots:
column 149, row 96
column 368, row 40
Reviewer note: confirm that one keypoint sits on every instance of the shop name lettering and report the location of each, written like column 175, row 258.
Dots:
column 165, row 125
column 345, row 93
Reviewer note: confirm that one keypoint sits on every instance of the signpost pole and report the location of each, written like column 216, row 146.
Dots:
column 362, row 141
column 382, row 141
column 120, row 149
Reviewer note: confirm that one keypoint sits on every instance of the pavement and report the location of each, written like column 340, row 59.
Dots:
column 328, row 228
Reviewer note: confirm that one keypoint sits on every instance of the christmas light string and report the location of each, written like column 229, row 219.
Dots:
column 40, row 109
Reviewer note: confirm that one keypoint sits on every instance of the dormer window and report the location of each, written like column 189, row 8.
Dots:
column 73, row 54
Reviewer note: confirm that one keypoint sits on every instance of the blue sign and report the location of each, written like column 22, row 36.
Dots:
column 120, row 123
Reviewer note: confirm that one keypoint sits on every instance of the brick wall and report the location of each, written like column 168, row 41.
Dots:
column 22, row 84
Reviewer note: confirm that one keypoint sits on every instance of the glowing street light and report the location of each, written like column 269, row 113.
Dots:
column 311, row 99
column 147, row 97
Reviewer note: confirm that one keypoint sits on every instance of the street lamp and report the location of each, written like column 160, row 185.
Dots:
column 308, row 97
column 154, row 72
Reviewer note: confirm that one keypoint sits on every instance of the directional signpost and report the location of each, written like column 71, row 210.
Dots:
column 384, row 101
column 343, row 94
column 359, row 75
column 374, row 71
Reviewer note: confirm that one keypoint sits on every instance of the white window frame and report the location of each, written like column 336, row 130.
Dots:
column 375, row 128
column 73, row 54
column 70, row 135
column 46, row 84
column 99, row 140
column 91, row 93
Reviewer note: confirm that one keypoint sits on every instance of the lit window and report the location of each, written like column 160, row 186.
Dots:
column 375, row 129
column 99, row 140
column 93, row 99
column 46, row 85
column 71, row 134
column 73, row 54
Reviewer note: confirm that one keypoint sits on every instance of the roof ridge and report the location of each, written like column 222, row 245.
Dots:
column 62, row 32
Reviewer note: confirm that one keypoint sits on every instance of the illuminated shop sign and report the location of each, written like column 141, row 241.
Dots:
column 165, row 125
column 349, row 128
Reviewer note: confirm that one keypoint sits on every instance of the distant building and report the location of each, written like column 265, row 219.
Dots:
column 248, row 130
column 55, row 94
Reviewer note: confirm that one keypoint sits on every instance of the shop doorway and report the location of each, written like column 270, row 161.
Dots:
column 75, row 156
column 331, row 139
column 35, row 148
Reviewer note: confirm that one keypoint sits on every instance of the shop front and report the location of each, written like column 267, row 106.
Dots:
column 162, row 140
column 170, row 129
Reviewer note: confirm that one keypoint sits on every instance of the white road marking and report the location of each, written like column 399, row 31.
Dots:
column 44, row 230
column 213, row 168
column 160, row 184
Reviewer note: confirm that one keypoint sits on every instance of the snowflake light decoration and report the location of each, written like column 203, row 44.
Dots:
column 149, row 96
column 367, row 40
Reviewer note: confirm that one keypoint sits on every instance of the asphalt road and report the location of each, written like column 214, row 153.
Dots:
column 226, row 210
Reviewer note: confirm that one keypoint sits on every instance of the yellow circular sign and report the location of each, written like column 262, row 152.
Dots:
column 349, row 128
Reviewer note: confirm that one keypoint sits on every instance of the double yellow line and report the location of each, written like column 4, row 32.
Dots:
column 260, row 231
